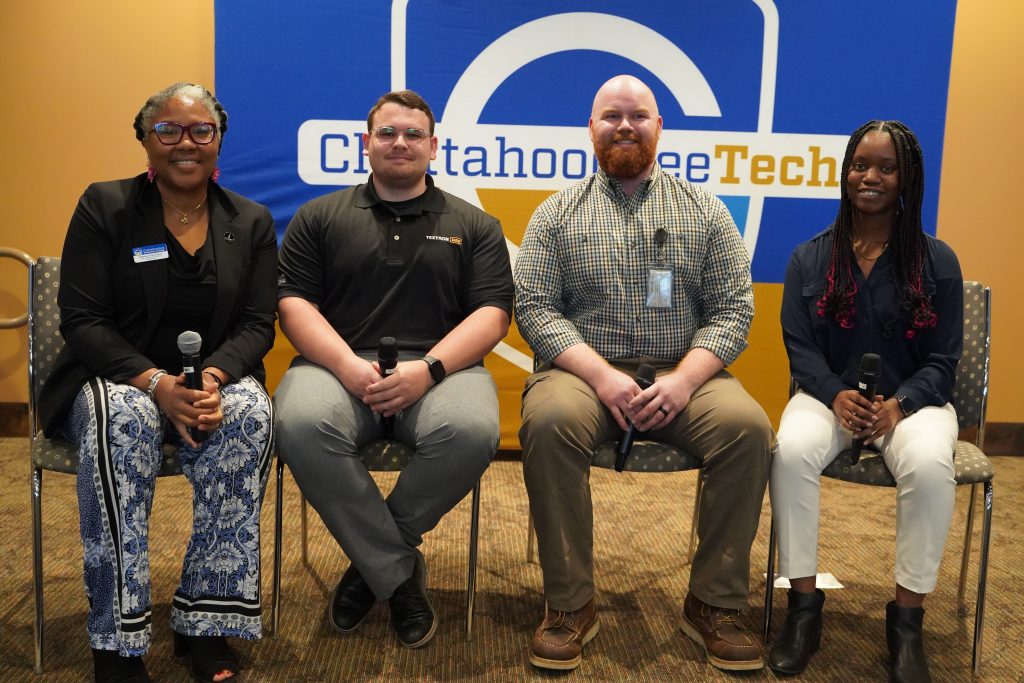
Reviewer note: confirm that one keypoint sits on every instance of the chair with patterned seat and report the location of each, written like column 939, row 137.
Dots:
column 970, row 396
column 381, row 455
column 56, row 455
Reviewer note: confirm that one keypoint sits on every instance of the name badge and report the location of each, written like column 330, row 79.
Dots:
column 152, row 252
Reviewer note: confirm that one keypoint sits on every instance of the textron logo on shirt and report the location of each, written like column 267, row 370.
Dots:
column 457, row 241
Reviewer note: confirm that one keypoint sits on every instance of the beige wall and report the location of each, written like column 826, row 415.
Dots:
column 74, row 73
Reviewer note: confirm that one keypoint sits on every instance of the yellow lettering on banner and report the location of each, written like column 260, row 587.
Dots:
column 784, row 177
column 762, row 169
column 730, row 177
column 817, row 161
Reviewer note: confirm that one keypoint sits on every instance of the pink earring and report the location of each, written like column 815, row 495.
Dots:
column 150, row 174
column 216, row 174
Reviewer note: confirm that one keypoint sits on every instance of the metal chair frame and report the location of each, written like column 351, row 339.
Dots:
column 399, row 455
column 979, row 441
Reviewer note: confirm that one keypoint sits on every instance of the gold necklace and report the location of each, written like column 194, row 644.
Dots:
column 869, row 258
column 184, row 214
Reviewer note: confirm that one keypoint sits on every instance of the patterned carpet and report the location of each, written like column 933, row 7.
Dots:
column 641, row 530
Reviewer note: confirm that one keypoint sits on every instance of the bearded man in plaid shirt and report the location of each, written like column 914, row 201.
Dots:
column 630, row 266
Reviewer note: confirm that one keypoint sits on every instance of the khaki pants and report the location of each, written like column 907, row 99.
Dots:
column 563, row 422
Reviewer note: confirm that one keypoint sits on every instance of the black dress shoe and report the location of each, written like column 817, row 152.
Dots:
column 110, row 667
column 351, row 601
column 411, row 614
column 801, row 634
column 907, row 660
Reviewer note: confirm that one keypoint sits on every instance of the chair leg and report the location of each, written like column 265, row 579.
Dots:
column 769, row 583
column 696, row 517
column 530, row 538
column 474, row 528
column 961, row 606
column 37, row 563
column 979, row 609
column 304, row 526
column 275, row 601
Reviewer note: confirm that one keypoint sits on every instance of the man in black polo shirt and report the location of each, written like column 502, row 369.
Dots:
column 394, row 257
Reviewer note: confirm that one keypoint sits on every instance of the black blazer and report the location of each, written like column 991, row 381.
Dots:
column 110, row 305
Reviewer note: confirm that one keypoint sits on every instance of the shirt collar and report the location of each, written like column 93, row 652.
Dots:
column 431, row 200
column 613, row 188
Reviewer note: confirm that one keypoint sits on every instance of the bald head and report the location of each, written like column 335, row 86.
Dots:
column 624, row 88
column 625, row 128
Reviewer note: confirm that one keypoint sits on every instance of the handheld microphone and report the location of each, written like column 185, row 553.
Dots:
column 867, row 385
column 189, row 344
column 387, row 360
column 644, row 378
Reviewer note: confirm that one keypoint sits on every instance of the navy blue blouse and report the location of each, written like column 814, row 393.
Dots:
column 825, row 358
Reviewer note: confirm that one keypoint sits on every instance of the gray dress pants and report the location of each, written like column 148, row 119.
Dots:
column 320, row 426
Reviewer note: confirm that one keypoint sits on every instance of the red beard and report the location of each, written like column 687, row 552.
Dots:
column 625, row 162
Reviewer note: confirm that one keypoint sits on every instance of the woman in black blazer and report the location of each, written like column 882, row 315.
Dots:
column 146, row 259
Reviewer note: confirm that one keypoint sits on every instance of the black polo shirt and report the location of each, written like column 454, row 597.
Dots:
column 411, row 270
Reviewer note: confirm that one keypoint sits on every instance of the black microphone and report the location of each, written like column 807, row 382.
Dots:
column 867, row 385
column 189, row 344
column 645, row 378
column 387, row 360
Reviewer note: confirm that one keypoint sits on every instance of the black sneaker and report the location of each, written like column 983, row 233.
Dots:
column 351, row 601
column 411, row 614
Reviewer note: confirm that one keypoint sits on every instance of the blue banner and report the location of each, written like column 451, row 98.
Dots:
column 758, row 98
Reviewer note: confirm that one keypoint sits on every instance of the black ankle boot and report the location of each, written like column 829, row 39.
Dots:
column 801, row 634
column 109, row 667
column 906, row 645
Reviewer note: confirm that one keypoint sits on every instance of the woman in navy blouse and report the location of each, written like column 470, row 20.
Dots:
column 873, row 282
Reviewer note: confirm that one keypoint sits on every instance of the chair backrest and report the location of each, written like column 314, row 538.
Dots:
column 970, row 392
column 44, row 339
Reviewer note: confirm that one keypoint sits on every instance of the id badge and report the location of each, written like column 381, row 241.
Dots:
column 659, row 287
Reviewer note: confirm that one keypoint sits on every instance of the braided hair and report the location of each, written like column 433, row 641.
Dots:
column 144, row 119
column 907, row 239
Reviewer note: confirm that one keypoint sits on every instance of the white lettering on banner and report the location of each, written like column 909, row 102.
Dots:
column 762, row 165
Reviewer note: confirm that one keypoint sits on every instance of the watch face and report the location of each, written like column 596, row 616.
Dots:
column 437, row 371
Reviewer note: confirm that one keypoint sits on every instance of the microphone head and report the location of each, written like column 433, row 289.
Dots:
column 189, row 343
column 870, row 364
column 387, row 348
column 646, row 372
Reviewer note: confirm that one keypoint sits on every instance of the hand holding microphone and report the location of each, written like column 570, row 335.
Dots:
column 867, row 386
column 644, row 378
column 189, row 344
column 387, row 361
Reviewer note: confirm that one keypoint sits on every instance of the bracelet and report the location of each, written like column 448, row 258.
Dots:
column 153, row 379
column 216, row 380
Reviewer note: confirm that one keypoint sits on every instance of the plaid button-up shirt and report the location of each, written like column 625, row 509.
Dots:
column 582, row 270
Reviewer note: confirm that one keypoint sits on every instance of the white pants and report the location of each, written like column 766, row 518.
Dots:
column 918, row 452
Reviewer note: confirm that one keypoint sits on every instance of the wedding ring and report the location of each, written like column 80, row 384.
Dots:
column 661, row 409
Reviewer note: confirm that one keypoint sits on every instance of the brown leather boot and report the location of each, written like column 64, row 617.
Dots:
column 727, row 645
column 559, row 640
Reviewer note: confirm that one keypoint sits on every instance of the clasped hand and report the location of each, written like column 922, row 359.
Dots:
column 868, row 420
column 399, row 390
column 653, row 408
column 186, row 407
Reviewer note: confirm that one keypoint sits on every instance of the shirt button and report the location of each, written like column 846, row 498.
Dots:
column 398, row 219
column 396, row 238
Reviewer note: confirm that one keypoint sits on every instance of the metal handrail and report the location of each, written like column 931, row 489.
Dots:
column 17, row 255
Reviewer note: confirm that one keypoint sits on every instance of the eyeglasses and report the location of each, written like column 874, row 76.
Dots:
column 171, row 133
column 390, row 134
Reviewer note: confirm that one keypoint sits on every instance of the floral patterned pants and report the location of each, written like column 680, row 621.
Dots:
column 121, row 433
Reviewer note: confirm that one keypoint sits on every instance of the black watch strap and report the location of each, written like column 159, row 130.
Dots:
column 436, row 368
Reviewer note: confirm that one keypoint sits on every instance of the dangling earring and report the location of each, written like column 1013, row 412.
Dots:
column 150, row 174
column 216, row 174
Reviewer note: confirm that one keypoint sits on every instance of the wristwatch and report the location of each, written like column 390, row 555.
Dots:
column 436, row 368
column 903, row 408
